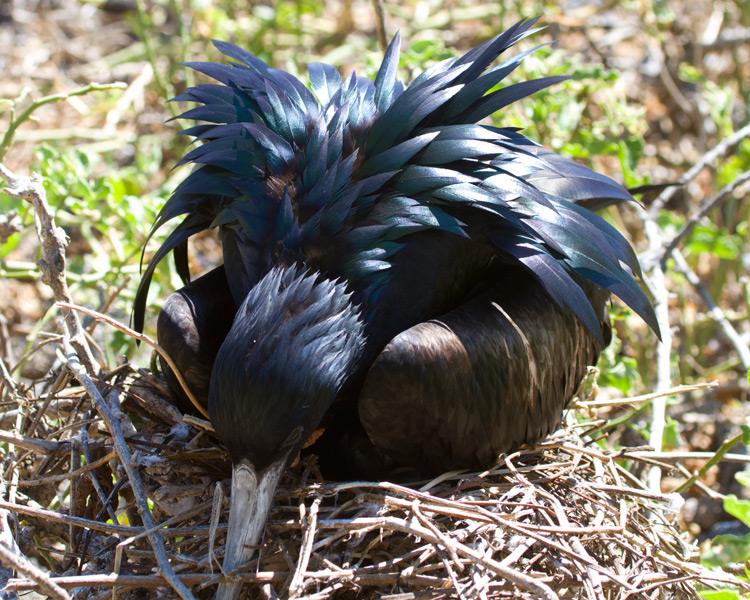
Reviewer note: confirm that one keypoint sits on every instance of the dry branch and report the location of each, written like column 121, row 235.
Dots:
column 52, row 266
column 105, row 409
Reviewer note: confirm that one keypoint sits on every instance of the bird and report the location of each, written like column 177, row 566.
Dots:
column 426, row 288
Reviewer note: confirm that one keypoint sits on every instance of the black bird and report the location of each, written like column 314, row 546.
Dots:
column 427, row 288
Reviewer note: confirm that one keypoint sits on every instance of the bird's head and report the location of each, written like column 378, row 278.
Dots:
column 294, row 340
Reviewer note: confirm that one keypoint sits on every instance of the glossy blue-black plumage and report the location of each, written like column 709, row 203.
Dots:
column 296, row 333
column 340, row 177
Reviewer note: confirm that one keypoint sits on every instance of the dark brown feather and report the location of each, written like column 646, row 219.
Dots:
column 191, row 327
column 443, row 393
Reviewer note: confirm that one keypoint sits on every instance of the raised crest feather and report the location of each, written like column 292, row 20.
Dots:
column 325, row 164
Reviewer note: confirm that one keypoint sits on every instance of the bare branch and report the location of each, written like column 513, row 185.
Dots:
column 141, row 337
column 52, row 265
column 380, row 23
column 113, row 424
column 707, row 159
column 714, row 311
column 705, row 209
column 20, row 563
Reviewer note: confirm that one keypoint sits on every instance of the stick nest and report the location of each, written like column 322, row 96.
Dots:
column 562, row 519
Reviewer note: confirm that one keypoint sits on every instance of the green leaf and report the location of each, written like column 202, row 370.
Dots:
column 725, row 549
column 719, row 595
column 739, row 509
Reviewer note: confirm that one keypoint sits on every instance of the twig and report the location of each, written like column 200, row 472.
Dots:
column 7, row 380
column 520, row 579
column 108, row 302
column 675, row 455
column 55, row 517
column 60, row 381
column 15, row 122
column 104, row 499
column 52, row 266
column 142, row 337
column 113, row 425
column 139, row 581
column 705, row 209
column 9, row 224
column 714, row 311
column 380, row 24
column 296, row 587
column 680, row 389
column 657, row 283
column 426, row 522
column 198, row 509
column 35, row 444
column 151, row 581
column 714, row 460
column 708, row 158
column 44, row 582
column 446, row 563
column 53, row 338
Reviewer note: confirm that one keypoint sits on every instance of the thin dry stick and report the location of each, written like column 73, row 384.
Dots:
column 714, row 310
column 59, row 383
column 714, row 460
column 9, row 224
column 454, row 557
column 426, row 522
column 142, row 337
column 134, row 581
column 676, row 455
column 705, row 160
column 54, row 338
column 216, row 504
column 52, row 266
column 198, row 509
column 7, row 537
column 657, row 283
column 704, row 210
column 7, row 380
column 55, row 517
column 520, row 579
column 296, row 587
column 108, row 302
column 51, row 479
column 153, row 581
column 113, row 425
column 380, row 23
column 679, row 389
column 21, row 563
column 670, row 249
column 34, row 444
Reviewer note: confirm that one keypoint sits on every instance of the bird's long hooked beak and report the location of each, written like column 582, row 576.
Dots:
column 252, row 495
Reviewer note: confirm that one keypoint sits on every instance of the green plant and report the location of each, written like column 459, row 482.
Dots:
column 725, row 549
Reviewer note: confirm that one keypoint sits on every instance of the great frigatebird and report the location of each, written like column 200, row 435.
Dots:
column 428, row 288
